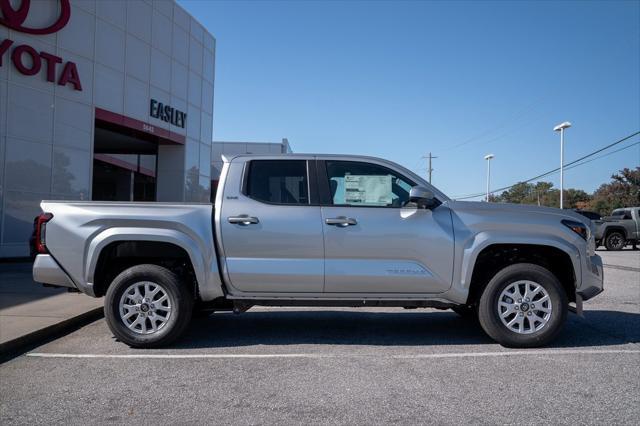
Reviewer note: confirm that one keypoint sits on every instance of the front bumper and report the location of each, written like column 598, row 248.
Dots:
column 47, row 271
column 592, row 278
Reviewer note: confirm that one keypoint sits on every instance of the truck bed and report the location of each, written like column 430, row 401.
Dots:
column 80, row 230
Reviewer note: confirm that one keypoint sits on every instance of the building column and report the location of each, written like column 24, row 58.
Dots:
column 170, row 173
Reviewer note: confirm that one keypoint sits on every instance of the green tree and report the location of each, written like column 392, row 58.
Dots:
column 622, row 191
column 517, row 194
column 543, row 194
column 574, row 196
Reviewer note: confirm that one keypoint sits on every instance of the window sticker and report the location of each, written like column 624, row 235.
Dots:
column 367, row 189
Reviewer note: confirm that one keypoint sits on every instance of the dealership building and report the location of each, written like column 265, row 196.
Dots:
column 103, row 100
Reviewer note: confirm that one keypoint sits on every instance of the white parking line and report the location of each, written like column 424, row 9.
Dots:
column 622, row 267
column 318, row 356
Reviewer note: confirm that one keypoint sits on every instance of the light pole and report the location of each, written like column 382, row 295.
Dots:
column 560, row 128
column 488, row 157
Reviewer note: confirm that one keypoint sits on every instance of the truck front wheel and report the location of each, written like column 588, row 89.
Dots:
column 615, row 241
column 523, row 306
column 147, row 306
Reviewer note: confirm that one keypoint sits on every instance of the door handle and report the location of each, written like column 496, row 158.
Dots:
column 341, row 221
column 243, row 220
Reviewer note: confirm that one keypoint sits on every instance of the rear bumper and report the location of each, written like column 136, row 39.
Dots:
column 592, row 278
column 47, row 271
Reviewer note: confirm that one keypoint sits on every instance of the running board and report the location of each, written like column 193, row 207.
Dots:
column 240, row 305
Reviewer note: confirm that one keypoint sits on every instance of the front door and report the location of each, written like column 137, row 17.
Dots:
column 375, row 242
column 272, row 236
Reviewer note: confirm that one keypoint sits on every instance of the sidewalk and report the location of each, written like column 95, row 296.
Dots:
column 30, row 312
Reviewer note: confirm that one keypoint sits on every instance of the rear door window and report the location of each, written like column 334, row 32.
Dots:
column 278, row 181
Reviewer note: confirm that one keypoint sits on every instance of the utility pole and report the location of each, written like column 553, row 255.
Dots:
column 430, row 169
column 488, row 157
column 560, row 128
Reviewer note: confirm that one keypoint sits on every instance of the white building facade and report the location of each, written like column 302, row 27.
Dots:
column 101, row 100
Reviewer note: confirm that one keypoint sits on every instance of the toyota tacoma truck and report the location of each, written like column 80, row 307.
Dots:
column 619, row 229
column 320, row 230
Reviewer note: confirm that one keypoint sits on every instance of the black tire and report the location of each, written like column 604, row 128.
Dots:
column 488, row 307
column 179, row 296
column 466, row 311
column 615, row 241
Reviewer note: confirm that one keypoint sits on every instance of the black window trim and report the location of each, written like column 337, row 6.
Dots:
column 312, row 185
column 325, row 192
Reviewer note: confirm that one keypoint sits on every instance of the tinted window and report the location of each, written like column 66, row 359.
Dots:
column 278, row 181
column 363, row 184
column 625, row 213
column 590, row 215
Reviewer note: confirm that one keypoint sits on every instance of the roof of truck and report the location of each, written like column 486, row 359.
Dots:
column 230, row 157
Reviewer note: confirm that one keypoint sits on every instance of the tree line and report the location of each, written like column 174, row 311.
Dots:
column 622, row 191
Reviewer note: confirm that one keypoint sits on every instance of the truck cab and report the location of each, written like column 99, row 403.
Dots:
column 329, row 226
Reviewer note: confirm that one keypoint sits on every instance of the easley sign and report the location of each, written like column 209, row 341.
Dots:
column 167, row 113
column 26, row 59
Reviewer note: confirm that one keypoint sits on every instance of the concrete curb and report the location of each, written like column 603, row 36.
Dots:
column 55, row 330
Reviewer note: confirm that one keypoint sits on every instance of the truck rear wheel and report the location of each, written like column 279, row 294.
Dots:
column 523, row 306
column 147, row 306
column 615, row 241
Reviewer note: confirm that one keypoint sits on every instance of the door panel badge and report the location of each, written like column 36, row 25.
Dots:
column 406, row 271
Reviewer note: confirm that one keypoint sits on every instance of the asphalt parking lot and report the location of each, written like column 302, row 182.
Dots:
column 342, row 366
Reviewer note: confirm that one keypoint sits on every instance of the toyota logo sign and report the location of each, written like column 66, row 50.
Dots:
column 14, row 19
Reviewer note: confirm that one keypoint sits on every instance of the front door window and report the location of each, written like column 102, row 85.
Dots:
column 355, row 183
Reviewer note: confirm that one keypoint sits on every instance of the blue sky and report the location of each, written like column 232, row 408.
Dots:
column 459, row 79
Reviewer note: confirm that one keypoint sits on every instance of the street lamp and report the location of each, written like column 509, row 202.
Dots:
column 488, row 157
column 560, row 128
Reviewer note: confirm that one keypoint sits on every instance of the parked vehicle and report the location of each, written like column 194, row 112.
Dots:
column 320, row 230
column 593, row 216
column 620, row 229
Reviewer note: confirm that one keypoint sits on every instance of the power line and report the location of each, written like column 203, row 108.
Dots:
column 601, row 149
column 605, row 155
column 571, row 164
column 557, row 168
column 506, row 123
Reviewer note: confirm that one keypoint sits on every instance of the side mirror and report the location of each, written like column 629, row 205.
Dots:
column 422, row 197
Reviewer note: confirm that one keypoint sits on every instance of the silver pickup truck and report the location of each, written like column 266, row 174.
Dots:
column 619, row 229
column 320, row 230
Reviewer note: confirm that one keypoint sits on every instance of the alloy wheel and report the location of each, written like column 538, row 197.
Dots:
column 524, row 307
column 145, row 307
column 616, row 241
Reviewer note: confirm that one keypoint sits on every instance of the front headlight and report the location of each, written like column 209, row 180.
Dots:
column 577, row 227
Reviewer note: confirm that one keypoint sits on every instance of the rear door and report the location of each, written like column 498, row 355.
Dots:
column 376, row 243
column 271, row 234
